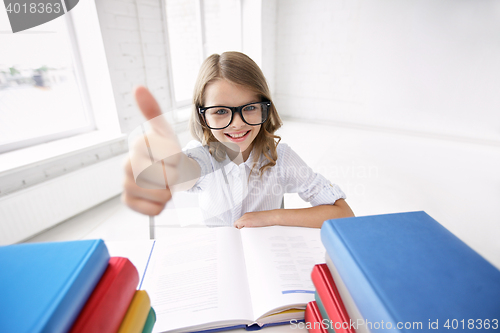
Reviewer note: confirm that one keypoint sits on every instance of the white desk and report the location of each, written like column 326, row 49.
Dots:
column 120, row 228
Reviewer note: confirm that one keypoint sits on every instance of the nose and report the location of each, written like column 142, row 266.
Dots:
column 237, row 121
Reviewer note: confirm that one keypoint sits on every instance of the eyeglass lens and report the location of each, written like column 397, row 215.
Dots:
column 220, row 117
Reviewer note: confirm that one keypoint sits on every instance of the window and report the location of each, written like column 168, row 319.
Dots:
column 196, row 29
column 42, row 95
column 65, row 184
column 185, row 42
column 78, row 122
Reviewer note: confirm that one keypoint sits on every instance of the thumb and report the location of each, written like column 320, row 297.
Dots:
column 147, row 103
column 151, row 110
column 151, row 142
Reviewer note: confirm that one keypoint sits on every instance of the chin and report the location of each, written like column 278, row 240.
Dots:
column 235, row 146
column 244, row 147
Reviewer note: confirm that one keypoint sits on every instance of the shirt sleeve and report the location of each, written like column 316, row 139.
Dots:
column 201, row 155
column 297, row 177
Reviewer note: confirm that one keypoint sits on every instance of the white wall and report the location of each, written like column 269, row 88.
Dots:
column 134, row 40
column 269, row 23
column 426, row 66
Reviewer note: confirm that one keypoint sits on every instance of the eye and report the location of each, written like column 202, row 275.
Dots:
column 250, row 108
column 217, row 111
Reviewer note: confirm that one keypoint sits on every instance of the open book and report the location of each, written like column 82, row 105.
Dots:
column 201, row 279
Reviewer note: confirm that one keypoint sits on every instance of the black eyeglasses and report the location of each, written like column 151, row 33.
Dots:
column 220, row 117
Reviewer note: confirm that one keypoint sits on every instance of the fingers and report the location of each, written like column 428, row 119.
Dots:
column 163, row 145
column 243, row 222
column 142, row 206
column 159, row 175
column 158, row 196
column 256, row 219
column 157, row 162
column 145, row 201
column 146, row 175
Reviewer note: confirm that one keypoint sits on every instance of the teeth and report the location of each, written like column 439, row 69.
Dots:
column 237, row 135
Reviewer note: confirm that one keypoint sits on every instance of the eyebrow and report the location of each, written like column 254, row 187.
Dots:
column 227, row 106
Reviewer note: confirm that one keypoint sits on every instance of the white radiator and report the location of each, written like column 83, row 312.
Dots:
column 30, row 211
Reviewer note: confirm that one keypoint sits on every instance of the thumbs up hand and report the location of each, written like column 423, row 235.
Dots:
column 152, row 170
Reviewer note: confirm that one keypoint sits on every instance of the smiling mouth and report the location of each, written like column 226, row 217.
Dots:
column 237, row 135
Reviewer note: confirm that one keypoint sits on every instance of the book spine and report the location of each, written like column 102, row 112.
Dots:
column 327, row 291
column 350, row 306
column 323, row 313
column 313, row 319
column 370, row 305
column 150, row 321
column 79, row 288
column 106, row 307
column 137, row 313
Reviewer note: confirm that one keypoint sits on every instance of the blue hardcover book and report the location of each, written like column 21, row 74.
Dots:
column 406, row 272
column 43, row 286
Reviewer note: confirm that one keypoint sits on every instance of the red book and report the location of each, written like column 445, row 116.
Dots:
column 313, row 319
column 330, row 297
column 108, row 303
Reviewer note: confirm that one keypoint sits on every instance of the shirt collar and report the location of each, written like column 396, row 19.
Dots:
column 230, row 166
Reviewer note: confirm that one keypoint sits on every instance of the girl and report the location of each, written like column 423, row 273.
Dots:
column 238, row 166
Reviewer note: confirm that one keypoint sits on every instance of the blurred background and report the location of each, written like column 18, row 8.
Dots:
column 398, row 102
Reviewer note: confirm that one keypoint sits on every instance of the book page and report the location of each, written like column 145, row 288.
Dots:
column 197, row 276
column 345, row 295
column 279, row 263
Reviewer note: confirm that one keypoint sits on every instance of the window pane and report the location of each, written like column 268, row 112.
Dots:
column 39, row 92
column 184, row 35
column 222, row 22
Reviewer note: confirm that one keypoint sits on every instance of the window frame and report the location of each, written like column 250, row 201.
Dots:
column 92, row 71
column 80, row 79
column 178, row 106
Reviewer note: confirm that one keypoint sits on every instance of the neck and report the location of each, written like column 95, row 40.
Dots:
column 239, row 157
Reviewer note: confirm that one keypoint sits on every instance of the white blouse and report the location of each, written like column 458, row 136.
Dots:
column 227, row 190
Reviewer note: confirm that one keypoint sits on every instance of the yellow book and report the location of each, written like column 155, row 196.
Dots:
column 137, row 313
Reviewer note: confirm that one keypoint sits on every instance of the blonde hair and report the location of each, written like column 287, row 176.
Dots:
column 239, row 69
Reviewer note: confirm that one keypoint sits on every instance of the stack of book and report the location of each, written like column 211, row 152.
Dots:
column 401, row 272
column 70, row 287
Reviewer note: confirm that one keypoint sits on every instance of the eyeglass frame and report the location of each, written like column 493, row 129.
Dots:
column 234, row 109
